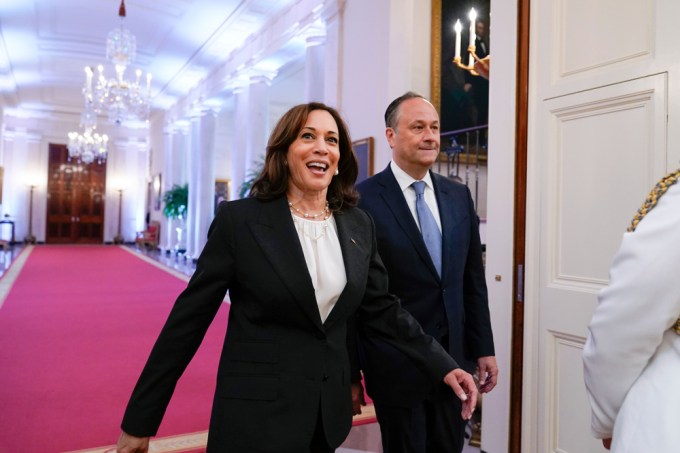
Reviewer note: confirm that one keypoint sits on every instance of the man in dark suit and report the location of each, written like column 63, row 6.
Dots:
column 442, row 286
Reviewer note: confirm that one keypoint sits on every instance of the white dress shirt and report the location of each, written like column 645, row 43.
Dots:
column 405, row 180
column 321, row 247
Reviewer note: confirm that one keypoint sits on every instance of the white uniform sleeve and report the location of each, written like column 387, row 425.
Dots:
column 641, row 302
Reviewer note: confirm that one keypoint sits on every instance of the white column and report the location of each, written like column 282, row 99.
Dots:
column 126, row 169
column 205, row 187
column 315, row 68
column 169, row 133
column 332, row 47
column 258, row 120
column 239, row 142
column 179, row 175
column 25, row 165
column 192, row 179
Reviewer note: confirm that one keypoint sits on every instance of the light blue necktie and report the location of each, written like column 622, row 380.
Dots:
column 428, row 226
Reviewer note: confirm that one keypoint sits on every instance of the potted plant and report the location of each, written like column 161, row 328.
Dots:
column 251, row 175
column 176, row 201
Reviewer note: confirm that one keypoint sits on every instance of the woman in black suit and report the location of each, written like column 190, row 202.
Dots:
column 300, row 264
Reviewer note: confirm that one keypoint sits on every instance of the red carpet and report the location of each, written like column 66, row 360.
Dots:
column 75, row 331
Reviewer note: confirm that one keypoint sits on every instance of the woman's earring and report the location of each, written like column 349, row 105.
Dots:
column 337, row 172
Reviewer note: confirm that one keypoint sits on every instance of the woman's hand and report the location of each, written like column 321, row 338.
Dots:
column 132, row 444
column 465, row 389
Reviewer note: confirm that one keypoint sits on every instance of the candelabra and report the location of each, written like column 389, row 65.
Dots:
column 118, row 239
column 30, row 238
column 476, row 66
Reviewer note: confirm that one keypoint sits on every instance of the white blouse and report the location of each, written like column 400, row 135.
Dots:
column 321, row 247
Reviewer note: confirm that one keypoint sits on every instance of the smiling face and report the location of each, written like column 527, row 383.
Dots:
column 415, row 139
column 313, row 157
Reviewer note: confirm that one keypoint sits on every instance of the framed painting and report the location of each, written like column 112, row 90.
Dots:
column 156, row 189
column 460, row 97
column 222, row 187
column 364, row 150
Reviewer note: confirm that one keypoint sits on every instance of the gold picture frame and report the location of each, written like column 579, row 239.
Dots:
column 364, row 151
column 156, row 188
column 222, row 188
column 452, row 89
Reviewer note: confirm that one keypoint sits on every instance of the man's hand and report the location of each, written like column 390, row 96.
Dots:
column 487, row 372
column 607, row 443
column 357, row 397
column 465, row 389
column 483, row 67
column 132, row 444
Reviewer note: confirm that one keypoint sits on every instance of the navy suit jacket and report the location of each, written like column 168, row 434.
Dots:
column 451, row 308
column 281, row 366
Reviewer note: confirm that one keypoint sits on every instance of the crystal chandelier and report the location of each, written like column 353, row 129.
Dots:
column 121, row 100
column 87, row 147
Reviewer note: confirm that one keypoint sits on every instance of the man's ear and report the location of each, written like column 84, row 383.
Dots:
column 389, row 134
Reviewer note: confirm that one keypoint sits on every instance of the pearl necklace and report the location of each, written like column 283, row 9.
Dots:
column 325, row 213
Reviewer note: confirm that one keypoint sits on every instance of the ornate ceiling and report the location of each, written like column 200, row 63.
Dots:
column 45, row 45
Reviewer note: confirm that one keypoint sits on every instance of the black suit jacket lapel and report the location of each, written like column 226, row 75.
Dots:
column 276, row 235
column 395, row 201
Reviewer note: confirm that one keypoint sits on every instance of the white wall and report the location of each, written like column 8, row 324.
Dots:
column 25, row 144
column 398, row 60
column 499, row 225
column 385, row 52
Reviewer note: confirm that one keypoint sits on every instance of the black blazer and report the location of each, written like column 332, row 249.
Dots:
column 453, row 308
column 280, row 366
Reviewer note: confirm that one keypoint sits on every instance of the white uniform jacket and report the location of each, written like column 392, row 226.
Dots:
column 632, row 355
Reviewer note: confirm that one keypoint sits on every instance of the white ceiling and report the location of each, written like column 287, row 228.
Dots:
column 45, row 45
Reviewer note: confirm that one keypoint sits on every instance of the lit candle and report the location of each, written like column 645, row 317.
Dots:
column 473, row 33
column 458, row 28
column 101, row 78
column 88, row 81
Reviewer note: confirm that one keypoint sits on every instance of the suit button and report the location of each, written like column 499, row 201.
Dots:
column 325, row 378
column 320, row 335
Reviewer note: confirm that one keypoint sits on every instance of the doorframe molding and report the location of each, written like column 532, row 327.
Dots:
column 521, row 140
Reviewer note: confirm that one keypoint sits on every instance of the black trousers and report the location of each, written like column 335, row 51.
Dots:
column 433, row 426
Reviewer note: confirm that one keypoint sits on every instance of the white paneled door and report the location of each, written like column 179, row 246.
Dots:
column 603, row 101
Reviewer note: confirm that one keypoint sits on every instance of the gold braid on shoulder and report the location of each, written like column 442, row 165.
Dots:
column 653, row 197
column 651, row 200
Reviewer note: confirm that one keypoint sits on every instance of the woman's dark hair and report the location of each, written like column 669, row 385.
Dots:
column 272, row 182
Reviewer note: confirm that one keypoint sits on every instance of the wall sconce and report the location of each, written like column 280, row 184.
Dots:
column 118, row 239
column 30, row 238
